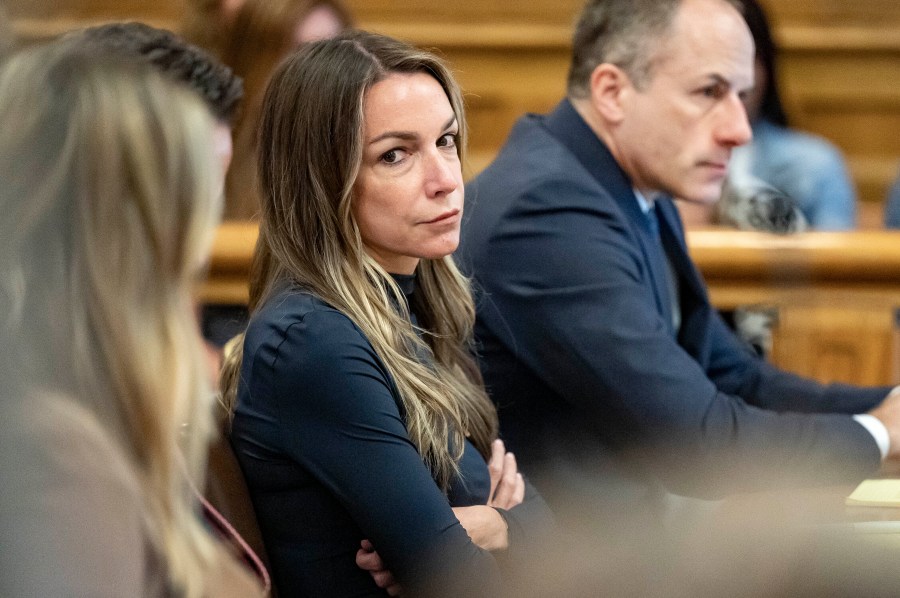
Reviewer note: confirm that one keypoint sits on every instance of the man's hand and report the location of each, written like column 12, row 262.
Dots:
column 888, row 413
column 368, row 559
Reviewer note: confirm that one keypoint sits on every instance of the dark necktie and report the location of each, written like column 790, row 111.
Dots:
column 653, row 223
column 668, row 286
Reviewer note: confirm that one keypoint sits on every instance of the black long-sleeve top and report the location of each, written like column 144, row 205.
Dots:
column 320, row 437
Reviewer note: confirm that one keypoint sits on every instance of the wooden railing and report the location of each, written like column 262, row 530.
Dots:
column 835, row 294
column 743, row 268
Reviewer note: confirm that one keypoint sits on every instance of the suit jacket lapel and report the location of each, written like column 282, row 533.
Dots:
column 655, row 259
column 672, row 236
column 566, row 125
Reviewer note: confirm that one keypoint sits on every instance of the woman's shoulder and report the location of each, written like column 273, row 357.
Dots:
column 294, row 316
column 298, row 329
column 292, row 306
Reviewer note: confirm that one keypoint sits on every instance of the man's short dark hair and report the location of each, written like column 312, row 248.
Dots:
column 626, row 33
column 221, row 89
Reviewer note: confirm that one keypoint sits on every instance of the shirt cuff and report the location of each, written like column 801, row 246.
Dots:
column 877, row 430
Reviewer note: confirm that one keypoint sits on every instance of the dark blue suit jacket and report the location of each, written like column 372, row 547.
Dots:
column 593, row 384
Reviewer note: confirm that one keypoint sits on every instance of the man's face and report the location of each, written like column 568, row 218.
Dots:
column 677, row 132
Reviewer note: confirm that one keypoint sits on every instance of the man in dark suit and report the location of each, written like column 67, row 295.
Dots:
column 611, row 370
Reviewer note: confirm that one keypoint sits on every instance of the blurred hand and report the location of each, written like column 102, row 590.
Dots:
column 507, row 484
column 888, row 412
column 368, row 560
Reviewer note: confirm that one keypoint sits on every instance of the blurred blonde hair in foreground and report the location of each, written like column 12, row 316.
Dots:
column 109, row 203
column 6, row 36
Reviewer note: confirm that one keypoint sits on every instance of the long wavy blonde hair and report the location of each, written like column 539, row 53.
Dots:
column 311, row 144
column 109, row 201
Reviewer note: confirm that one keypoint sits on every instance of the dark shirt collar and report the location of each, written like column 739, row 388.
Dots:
column 406, row 282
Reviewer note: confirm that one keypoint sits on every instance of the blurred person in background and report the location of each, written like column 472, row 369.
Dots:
column 206, row 22
column 255, row 37
column 111, row 193
column 262, row 34
column 892, row 206
column 807, row 169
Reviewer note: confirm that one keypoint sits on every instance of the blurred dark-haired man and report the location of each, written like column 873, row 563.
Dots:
column 220, row 89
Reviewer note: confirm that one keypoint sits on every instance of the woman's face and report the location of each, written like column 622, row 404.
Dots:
column 408, row 198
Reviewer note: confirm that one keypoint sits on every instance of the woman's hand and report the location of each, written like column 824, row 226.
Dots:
column 485, row 526
column 368, row 560
column 507, row 484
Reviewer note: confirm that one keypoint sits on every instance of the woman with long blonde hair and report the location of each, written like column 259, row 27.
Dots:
column 109, row 201
column 360, row 416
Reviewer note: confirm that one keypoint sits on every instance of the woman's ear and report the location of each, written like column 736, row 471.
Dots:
column 611, row 89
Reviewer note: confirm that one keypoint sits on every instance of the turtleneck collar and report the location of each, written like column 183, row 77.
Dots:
column 406, row 282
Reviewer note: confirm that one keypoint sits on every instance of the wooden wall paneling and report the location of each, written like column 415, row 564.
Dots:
column 835, row 294
column 854, row 96
column 92, row 9
column 465, row 11
column 837, row 337
column 36, row 20
column 824, row 13
column 840, row 62
column 500, row 87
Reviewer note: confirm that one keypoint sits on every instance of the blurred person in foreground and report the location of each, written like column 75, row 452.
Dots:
column 360, row 422
column 892, row 205
column 219, row 88
column 222, row 92
column 614, row 376
column 7, row 39
column 110, row 196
